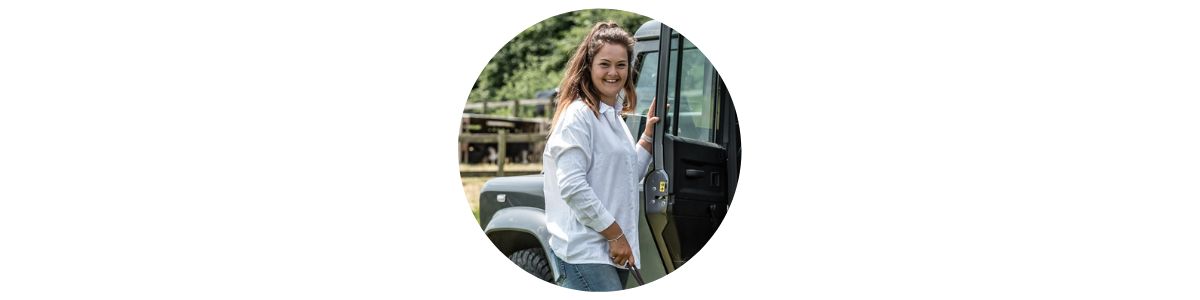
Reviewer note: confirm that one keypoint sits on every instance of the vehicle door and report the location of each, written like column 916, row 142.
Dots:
column 688, row 190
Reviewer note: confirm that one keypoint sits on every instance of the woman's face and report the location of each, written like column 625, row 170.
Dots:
column 610, row 67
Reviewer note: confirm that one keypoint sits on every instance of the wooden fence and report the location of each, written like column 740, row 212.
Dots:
column 514, row 106
column 502, row 138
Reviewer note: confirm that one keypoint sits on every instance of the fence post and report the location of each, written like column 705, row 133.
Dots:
column 501, row 141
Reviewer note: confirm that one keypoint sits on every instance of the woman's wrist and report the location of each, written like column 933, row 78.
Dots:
column 614, row 231
column 616, row 238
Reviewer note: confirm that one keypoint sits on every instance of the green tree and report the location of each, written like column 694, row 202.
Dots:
column 534, row 60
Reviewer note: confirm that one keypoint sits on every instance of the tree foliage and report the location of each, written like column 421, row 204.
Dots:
column 535, row 59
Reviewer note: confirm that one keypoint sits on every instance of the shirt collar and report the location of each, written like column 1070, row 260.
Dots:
column 604, row 108
column 620, row 103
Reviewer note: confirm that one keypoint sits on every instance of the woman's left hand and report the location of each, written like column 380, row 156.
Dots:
column 620, row 252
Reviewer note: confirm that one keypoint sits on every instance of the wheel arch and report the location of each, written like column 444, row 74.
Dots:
column 516, row 228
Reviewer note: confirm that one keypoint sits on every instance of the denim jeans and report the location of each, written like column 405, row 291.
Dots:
column 590, row 277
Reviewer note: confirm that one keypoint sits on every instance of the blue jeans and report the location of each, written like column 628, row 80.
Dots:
column 590, row 277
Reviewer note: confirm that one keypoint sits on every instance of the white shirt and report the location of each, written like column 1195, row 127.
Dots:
column 592, row 168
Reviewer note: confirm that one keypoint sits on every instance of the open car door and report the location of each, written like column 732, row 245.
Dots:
column 689, row 187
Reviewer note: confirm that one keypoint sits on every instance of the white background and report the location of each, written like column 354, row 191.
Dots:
column 306, row 150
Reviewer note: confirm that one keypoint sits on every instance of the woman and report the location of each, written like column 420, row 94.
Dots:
column 593, row 166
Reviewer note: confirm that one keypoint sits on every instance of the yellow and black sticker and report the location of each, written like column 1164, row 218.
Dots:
column 662, row 186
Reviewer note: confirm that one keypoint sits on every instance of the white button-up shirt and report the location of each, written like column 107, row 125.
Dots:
column 592, row 168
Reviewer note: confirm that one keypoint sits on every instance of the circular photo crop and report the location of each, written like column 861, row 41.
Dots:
column 599, row 150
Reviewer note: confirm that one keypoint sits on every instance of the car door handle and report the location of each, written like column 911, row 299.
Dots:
column 693, row 173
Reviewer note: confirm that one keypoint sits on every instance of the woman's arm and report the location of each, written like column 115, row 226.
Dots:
column 577, row 193
column 646, row 141
column 647, row 146
column 587, row 208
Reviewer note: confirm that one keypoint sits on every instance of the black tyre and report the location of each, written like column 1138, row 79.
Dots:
column 533, row 260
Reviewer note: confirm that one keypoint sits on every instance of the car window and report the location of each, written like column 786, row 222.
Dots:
column 697, row 118
column 646, row 80
column 697, row 115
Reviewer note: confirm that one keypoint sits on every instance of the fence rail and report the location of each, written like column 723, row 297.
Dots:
column 495, row 137
column 514, row 106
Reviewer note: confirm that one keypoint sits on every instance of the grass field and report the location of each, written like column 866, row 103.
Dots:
column 472, row 185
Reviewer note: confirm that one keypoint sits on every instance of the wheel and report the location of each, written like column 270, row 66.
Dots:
column 533, row 260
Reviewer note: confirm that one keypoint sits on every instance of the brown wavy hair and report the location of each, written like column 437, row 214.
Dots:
column 577, row 79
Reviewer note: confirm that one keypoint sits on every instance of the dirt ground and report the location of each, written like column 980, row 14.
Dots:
column 509, row 166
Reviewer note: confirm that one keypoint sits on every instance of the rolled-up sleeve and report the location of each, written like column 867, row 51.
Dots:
column 570, row 147
column 578, row 194
column 643, row 158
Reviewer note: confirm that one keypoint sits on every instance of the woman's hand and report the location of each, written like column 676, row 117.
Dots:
column 618, row 246
column 620, row 252
column 647, row 139
column 651, row 119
